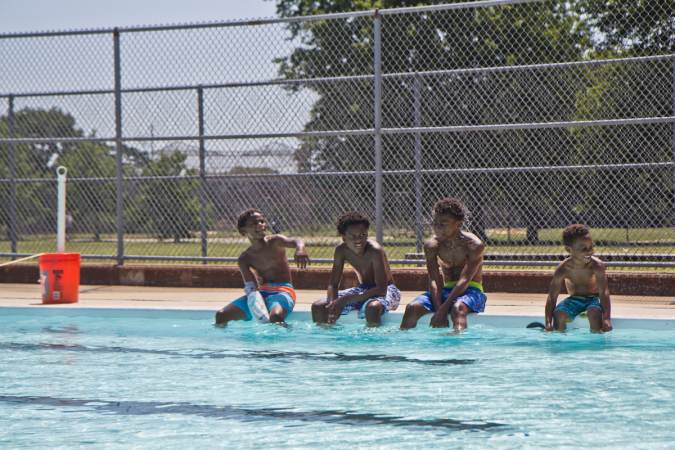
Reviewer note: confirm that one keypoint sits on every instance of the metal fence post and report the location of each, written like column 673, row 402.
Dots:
column 672, row 127
column 202, row 172
column 417, row 108
column 12, row 176
column 119, row 204
column 377, row 72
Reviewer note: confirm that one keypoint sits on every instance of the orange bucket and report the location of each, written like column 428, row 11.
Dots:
column 60, row 277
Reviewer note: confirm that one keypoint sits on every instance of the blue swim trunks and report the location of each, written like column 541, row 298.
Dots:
column 473, row 297
column 274, row 294
column 390, row 300
column 576, row 304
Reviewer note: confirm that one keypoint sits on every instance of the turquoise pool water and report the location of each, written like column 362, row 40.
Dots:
column 123, row 378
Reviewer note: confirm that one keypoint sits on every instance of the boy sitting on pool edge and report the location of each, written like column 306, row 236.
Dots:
column 376, row 292
column 586, row 281
column 264, row 259
column 455, row 256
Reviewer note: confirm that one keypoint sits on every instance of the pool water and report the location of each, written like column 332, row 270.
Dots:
column 150, row 379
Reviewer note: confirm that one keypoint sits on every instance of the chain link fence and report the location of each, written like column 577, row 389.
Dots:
column 536, row 113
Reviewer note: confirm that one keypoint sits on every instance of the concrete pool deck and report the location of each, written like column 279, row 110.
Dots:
column 507, row 304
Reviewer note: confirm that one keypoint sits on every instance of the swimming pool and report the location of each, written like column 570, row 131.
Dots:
column 122, row 378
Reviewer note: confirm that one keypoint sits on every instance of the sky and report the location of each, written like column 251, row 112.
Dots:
column 40, row 15
column 85, row 63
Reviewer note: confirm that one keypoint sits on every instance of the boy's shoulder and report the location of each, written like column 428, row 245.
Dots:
column 597, row 264
column 472, row 241
column 374, row 246
column 274, row 238
column 431, row 244
column 245, row 255
column 593, row 264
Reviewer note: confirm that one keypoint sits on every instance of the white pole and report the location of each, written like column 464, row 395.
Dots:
column 61, row 210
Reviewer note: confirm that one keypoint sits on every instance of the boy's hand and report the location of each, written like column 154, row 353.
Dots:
column 439, row 320
column 606, row 325
column 301, row 259
column 334, row 308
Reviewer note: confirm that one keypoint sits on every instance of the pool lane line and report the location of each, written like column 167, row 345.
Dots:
column 245, row 354
column 342, row 417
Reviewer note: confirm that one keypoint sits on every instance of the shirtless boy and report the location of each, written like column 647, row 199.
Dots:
column 586, row 282
column 454, row 261
column 375, row 294
column 265, row 261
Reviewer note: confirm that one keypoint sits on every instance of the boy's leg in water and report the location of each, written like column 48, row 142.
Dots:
column 594, row 319
column 458, row 312
column 413, row 312
column 277, row 314
column 228, row 313
column 374, row 312
column 320, row 311
column 560, row 319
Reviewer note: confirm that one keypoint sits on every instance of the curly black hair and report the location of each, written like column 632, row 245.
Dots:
column 351, row 218
column 573, row 232
column 450, row 206
column 243, row 217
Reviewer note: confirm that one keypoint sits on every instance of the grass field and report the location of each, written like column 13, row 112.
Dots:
column 636, row 242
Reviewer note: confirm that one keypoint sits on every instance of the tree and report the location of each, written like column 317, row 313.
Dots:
column 35, row 200
column 451, row 39
column 170, row 205
column 628, row 197
column 91, row 202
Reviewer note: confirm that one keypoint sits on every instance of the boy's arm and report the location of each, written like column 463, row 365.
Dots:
column 434, row 272
column 250, row 280
column 335, row 303
column 603, row 289
column 335, row 275
column 301, row 256
column 473, row 264
column 553, row 292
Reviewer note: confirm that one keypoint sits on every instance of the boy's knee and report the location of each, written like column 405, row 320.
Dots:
column 374, row 308
column 220, row 316
column 319, row 304
column 561, row 316
column 594, row 313
column 277, row 317
column 459, row 308
column 410, row 309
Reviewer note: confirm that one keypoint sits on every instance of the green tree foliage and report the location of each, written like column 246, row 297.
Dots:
column 478, row 37
column 635, row 197
column 643, row 27
column 91, row 202
column 35, row 200
column 169, row 206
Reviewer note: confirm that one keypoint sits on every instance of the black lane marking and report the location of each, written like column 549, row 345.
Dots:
column 250, row 354
column 138, row 408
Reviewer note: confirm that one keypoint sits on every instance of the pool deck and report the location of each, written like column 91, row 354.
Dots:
column 503, row 304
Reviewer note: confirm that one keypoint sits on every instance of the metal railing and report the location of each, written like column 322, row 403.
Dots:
column 533, row 119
